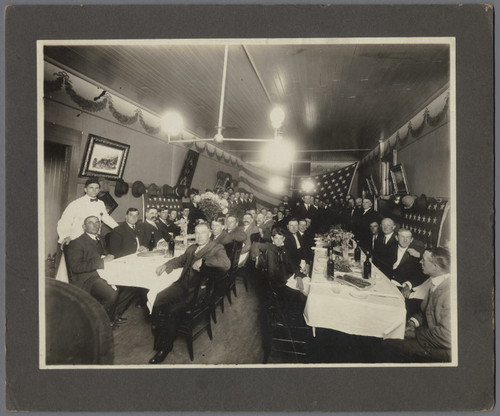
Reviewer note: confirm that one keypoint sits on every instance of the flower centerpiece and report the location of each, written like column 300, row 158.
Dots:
column 338, row 237
column 211, row 205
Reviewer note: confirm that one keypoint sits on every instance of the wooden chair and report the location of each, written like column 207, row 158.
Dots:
column 235, row 250
column 197, row 316
column 283, row 331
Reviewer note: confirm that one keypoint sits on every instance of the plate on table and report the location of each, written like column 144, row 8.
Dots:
column 354, row 281
column 358, row 295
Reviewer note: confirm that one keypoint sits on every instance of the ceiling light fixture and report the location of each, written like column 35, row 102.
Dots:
column 172, row 124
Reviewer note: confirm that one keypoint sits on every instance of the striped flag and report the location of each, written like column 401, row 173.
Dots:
column 334, row 185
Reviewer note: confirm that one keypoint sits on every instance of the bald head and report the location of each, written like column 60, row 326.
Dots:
column 387, row 226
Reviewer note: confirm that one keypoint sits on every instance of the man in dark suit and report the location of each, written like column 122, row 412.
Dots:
column 308, row 241
column 172, row 227
column 368, row 215
column 162, row 223
column 369, row 242
column 149, row 233
column 294, row 244
column 382, row 257
column 123, row 241
column 305, row 208
column 230, row 232
column 171, row 302
column 85, row 255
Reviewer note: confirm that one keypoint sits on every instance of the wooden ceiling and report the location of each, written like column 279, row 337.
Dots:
column 334, row 96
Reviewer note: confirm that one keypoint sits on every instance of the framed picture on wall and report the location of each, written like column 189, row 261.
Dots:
column 399, row 181
column 104, row 157
column 108, row 200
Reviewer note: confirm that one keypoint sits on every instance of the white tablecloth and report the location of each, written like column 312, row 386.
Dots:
column 137, row 271
column 378, row 312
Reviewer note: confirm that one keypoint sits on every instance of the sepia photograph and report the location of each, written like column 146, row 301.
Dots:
column 249, row 208
column 281, row 265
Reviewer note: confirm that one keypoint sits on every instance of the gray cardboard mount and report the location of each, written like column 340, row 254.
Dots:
column 470, row 386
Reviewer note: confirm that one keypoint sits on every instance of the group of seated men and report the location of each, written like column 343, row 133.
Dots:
column 287, row 248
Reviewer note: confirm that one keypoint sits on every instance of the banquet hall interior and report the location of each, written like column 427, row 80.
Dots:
column 310, row 156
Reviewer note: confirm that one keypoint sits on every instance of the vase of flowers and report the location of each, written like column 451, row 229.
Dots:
column 211, row 205
column 340, row 238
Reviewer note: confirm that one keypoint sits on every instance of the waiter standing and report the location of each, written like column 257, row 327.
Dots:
column 69, row 226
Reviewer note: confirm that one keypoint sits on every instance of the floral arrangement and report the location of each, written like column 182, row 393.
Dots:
column 338, row 236
column 211, row 205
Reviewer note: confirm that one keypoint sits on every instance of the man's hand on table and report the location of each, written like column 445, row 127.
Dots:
column 142, row 249
column 410, row 330
column 108, row 258
column 163, row 268
column 406, row 291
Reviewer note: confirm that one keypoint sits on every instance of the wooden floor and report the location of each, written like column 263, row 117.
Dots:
column 236, row 336
column 237, row 339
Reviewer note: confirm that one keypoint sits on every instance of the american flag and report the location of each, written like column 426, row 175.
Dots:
column 331, row 186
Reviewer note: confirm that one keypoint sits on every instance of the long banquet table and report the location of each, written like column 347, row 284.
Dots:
column 378, row 311
column 134, row 270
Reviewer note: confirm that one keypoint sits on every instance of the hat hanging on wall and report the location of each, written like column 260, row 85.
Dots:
column 138, row 189
column 152, row 190
column 167, row 191
column 121, row 187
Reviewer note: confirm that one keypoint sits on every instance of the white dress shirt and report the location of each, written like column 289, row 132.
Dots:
column 71, row 222
column 401, row 253
column 387, row 237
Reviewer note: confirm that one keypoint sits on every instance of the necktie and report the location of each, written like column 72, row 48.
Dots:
column 100, row 247
column 93, row 199
column 386, row 239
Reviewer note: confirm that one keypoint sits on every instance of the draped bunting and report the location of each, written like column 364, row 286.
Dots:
column 414, row 128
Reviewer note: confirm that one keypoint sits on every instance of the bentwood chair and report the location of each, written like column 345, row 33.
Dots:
column 284, row 330
column 235, row 251
column 196, row 318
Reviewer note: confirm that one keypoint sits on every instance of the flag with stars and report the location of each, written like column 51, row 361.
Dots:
column 332, row 186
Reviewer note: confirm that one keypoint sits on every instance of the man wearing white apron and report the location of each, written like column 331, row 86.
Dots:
column 69, row 226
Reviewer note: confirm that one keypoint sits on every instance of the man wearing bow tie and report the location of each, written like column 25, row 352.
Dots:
column 171, row 302
column 69, row 226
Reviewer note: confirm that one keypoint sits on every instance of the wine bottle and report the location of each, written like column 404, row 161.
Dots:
column 152, row 242
column 171, row 247
column 330, row 266
column 357, row 253
column 367, row 267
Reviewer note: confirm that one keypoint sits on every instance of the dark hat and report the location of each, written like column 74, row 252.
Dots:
column 181, row 191
column 121, row 187
column 138, row 189
column 167, row 191
column 153, row 190
column 92, row 180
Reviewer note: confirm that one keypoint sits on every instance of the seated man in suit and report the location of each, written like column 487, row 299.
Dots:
column 171, row 302
column 308, row 240
column 87, row 254
column 149, row 233
column 428, row 333
column 279, row 267
column 172, row 227
column 123, row 241
column 294, row 243
column 368, row 215
column 368, row 244
column 382, row 257
column 162, row 223
column 230, row 232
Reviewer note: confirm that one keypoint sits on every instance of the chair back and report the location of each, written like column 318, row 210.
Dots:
column 233, row 251
column 77, row 327
column 66, row 262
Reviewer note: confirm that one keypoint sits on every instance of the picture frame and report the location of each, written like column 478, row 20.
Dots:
column 108, row 200
column 399, row 181
column 104, row 157
column 374, row 187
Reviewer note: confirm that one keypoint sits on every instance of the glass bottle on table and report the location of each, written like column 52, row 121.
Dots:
column 357, row 252
column 152, row 242
column 330, row 266
column 367, row 267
